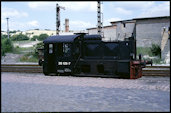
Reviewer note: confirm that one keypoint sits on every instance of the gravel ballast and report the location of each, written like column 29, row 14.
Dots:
column 24, row 92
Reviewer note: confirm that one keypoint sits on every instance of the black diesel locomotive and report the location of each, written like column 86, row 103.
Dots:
column 87, row 55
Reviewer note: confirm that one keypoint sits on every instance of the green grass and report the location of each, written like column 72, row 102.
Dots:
column 18, row 50
column 144, row 51
column 156, row 60
column 26, row 59
column 29, row 57
column 28, row 54
column 147, row 51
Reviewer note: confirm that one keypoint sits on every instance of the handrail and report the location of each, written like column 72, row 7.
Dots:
column 77, row 60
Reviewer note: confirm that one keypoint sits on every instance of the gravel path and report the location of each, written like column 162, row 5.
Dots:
column 39, row 93
column 10, row 58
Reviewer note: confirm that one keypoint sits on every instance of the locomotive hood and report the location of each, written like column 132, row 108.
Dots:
column 61, row 38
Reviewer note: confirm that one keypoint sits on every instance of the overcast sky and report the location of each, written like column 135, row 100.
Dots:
column 82, row 15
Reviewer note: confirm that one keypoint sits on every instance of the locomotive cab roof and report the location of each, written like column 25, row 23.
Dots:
column 61, row 38
column 69, row 38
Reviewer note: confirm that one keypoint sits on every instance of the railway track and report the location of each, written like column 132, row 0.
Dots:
column 156, row 71
column 27, row 68
column 34, row 68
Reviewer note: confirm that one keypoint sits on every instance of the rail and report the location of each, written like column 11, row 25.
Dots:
column 156, row 71
column 27, row 68
column 35, row 68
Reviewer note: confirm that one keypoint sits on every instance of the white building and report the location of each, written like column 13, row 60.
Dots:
column 109, row 32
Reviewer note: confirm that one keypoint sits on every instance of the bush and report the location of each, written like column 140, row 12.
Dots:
column 6, row 46
column 3, row 36
column 155, row 50
column 34, row 38
column 39, row 45
column 42, row 37
column 13, row 31
column 2, row 51
column 36, row 47
column 20, row 37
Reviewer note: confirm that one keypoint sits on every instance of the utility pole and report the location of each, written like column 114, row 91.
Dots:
column 99, row 23
column 7, row 27
column 58, row 17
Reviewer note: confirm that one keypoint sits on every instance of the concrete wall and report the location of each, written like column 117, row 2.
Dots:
column 117, row 31
column 109, row 33
column 92, row 31
column 149, row 31
column 124, row 30
column 165, row 46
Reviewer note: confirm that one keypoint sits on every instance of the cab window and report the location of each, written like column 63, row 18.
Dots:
column 63, row 49
column 50, row 48
column 66, row 49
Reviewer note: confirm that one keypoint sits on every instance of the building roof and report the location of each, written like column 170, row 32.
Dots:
column 122, row 21
column 61, row 38
column 130, row 21
column 134, row 19
column 151, row 18
column 102, row 27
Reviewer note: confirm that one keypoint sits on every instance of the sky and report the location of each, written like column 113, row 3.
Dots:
column 82, row 15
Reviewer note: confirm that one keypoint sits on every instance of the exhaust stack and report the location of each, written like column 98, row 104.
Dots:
column 66, row 25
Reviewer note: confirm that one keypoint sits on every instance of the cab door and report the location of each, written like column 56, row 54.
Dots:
column 51, row 58
column 63, row 57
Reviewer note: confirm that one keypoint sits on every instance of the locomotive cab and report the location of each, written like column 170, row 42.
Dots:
column 58, row 54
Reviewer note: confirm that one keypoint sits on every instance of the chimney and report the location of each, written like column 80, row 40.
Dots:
column 66, row 25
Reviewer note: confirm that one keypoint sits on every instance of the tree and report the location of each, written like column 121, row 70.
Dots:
column 19, row 37
column 42, row 37
column 156, row 50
